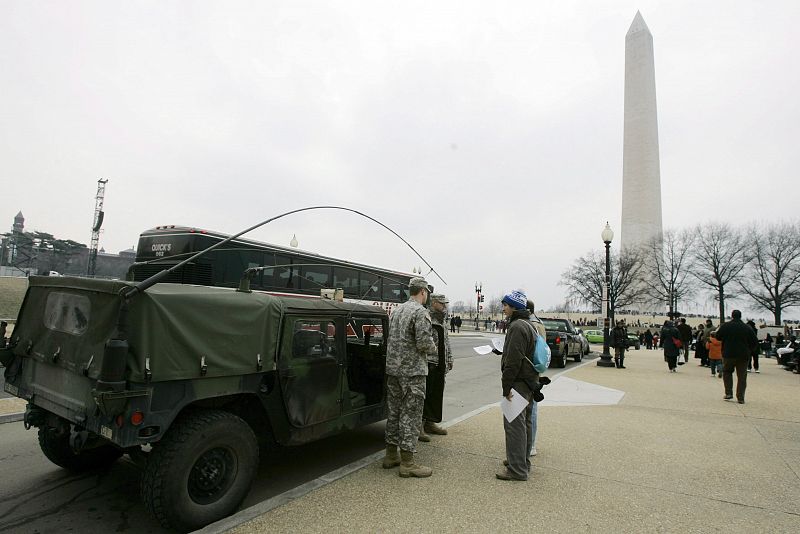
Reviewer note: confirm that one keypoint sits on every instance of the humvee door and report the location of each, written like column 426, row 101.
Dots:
column 310, row 370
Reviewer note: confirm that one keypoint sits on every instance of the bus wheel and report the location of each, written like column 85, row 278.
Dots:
column 201, row 470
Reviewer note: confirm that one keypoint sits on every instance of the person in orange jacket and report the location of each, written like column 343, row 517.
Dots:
column 714, row 347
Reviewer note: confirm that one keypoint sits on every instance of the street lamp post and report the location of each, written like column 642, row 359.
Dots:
column 478, row 289
column 605, row 359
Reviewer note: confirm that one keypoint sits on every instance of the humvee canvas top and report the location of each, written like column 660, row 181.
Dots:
column 176, row 328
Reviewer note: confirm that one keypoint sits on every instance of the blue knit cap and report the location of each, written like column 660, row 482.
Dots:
column 516, row 299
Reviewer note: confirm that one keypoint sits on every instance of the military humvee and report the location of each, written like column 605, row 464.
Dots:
column 191, row 381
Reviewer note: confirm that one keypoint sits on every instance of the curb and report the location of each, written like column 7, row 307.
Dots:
column 12, row 417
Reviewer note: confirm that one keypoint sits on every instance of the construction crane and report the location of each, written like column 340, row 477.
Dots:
column 98, row 222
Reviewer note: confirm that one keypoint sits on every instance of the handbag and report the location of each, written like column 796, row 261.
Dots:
column 677, row 342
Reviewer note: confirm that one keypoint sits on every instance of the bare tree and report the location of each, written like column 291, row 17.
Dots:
column 586, row 278
column 667, row 264
column 718, row 261
column 495, row 305
column 773, row 274
column 459, row 307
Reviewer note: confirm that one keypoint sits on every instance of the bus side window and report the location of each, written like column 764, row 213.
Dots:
column 370, row 286
column 346, row 279
column 315, row 277
column 392, row 290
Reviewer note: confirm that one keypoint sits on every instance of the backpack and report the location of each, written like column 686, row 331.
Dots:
column 540, row 359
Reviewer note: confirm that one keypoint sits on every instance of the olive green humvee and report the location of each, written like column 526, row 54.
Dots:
column 199, row 377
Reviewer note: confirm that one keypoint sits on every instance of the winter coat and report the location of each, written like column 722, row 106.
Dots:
column 516, row 366
column 714, row 347
column 686, row 332
column 667, row 333
column 738, row 339
column 618, row 337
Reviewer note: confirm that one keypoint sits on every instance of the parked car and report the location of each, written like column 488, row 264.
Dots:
column 633, row 341
column 584, row 342
column 564, row 342
column 594, row 336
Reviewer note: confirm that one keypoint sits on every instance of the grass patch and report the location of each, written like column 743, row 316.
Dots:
column 12, row 291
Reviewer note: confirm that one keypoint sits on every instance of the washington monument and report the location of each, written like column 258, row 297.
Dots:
column 641, row 175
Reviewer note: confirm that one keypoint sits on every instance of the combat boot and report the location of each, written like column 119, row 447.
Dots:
column 392, row 458
column 622, row 363
column 432, row 428
column 410, row 469
column 422, row 435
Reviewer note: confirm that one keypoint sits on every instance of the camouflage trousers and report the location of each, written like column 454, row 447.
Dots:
column 405, row 398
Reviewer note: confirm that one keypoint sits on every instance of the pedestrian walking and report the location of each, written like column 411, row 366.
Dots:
column 714, row 347
column 518, row 374
column 738, row 342
column 648, row 339
column 752, row 364
column 453, row 325
column 700, row 350
column 435, row 382
column 408, row 346
column 686, row 338
column 671, row 351
column 458, row 324
column 618, row 338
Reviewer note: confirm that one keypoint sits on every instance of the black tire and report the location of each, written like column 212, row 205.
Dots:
column 201, row 470
column 563, row 362
column 579, row 357
column 57, row 448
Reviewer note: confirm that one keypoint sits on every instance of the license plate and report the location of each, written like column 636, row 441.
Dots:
column 106, row 432
column 10, row 388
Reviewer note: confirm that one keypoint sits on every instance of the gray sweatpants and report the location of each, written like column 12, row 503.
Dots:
column 519, row 444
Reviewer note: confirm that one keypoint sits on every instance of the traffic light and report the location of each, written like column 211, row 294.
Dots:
column 480, row 308
column 481, row 300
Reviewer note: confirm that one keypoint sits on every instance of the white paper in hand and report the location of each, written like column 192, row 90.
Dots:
column 483, row 349
column 512, row 408
column 498, row 343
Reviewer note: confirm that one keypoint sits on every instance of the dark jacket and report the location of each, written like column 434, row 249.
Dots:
column 738, row 340
column 518, row 348
column 686, row 332
column 667, row 333
column 618, row 337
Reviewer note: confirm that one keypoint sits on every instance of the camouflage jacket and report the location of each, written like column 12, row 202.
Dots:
column 438, row 319
column 410, row 340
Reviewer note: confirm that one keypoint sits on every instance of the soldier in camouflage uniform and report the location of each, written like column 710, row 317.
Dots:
column 410, row 341
column 438, row 365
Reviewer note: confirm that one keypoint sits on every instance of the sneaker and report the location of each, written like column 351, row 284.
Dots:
column 740, row 401
column 727, row 397
column 533, row 452
column 757, row 371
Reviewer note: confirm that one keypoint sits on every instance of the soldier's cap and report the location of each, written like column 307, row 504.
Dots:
column 438, row 297
column 420, row 283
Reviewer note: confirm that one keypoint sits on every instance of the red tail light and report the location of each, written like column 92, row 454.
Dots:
column 558, row 340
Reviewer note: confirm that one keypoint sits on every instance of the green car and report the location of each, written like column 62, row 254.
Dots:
column 594, row 336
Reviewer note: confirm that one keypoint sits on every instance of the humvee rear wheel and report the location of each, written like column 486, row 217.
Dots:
column 56, row 446
column 201, row 470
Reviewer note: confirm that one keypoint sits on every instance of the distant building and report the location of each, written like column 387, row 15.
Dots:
column 20, row 256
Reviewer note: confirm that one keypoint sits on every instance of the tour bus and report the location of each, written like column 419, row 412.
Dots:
column 289, row 271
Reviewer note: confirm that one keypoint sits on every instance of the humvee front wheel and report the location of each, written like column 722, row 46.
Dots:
column 56, row 446
column 201, row 470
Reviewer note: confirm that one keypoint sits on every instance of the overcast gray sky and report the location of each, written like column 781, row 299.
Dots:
column 489, row 135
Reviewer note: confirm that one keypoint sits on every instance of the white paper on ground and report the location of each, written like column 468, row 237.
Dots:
column 512, row 408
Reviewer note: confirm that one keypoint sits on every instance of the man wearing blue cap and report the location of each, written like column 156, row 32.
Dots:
column 518, row 374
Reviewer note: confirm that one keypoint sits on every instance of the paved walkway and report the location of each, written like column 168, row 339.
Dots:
column 634, row 450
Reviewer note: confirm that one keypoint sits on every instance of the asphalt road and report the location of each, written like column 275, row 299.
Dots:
column 37, row 496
